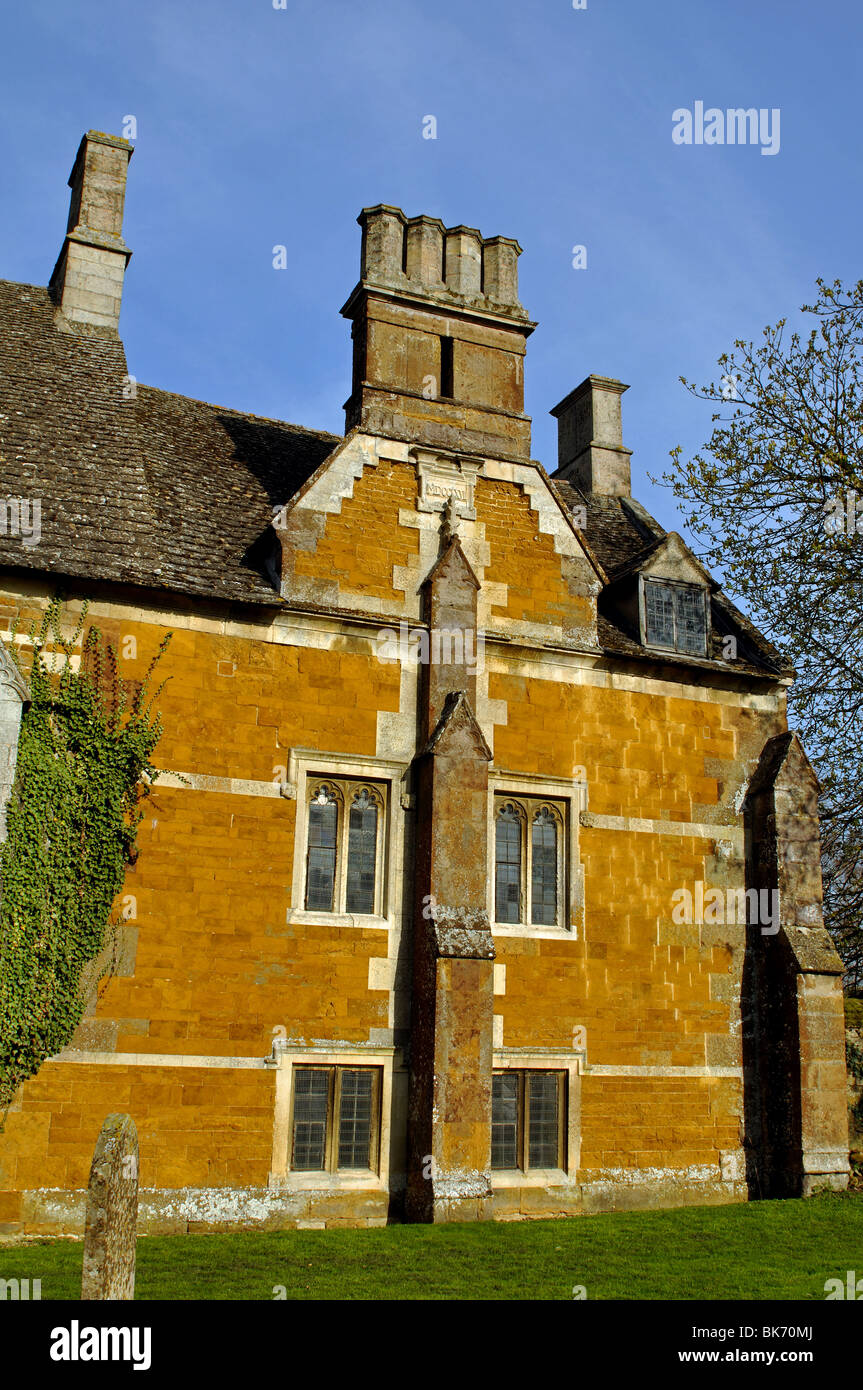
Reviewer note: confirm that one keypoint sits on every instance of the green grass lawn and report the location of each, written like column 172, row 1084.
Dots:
column 777, row 1250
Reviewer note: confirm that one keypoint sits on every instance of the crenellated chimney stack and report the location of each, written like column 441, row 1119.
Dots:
column 87, row 281
column 439, row 336
column 590, row 449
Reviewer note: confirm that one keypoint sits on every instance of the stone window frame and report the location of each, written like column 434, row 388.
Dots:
column 523, row 1104
column 673, row 584
column 343, row 791
column 569, row 793
column 526, row 1059
column 528, row 808
column 287, row 1058
column 305, row 765
column 332, row 1137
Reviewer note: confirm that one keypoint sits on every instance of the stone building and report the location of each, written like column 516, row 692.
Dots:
column 474, row 773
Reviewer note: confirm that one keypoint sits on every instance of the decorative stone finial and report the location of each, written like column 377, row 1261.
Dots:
column 449, row 522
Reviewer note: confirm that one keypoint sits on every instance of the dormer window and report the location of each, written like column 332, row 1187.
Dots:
column 674, row 616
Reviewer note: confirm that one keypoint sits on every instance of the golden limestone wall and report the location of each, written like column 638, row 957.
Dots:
column 217, row 966
column 522, row 558
column 646, row 995
column 215, row 959
column 363, row 543
column 195, row 1126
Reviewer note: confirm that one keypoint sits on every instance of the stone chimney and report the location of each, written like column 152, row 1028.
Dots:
column 87, row 281
column 590, row 451
column 439, row 336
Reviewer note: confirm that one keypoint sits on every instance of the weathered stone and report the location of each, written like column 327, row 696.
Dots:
column 112, row 1212
column 451, row 1061
column 438, row 357
column 795, row 1101
column 87, row 281
column 591, row 453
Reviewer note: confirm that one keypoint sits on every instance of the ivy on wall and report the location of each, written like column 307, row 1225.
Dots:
column 84, row 767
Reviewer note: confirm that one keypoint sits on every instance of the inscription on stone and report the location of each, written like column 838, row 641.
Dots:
column 460, row 494
column 441, row 478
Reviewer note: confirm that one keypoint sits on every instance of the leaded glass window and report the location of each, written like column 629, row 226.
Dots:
column 543, row 1139
column 689, row 615
column 311, row 1105
column 321, row 864
column 345, row 843
column 336, row 1119
column 508, row 864
column 504, row 1119
column 659, row 614
column 675, row 617
column 528, row 1110
column 362, row 851
column 529, row 869
column 355, row 1119
column 543, row 831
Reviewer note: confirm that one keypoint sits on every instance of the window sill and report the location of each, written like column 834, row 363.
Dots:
column 355, row 1179
column 338, row 919
column 656, row 650
column 526, row 930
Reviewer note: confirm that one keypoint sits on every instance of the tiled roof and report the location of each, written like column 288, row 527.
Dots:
column 620, row 532
column 617, row 529
column 143, row 487
column 155, row 490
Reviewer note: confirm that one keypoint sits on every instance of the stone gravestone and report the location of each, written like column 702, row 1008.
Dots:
column 112, row 1213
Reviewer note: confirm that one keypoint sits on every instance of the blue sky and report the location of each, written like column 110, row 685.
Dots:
column 258, row 126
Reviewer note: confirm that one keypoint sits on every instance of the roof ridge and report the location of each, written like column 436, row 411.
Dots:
column 25, row 285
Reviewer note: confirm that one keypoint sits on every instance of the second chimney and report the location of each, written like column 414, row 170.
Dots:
column 590, row 451
column 87, row 281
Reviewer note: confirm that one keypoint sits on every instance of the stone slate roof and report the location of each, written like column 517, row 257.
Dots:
column 157, row 491
column 168, row 493
column 617, row 529
column 621, row 531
